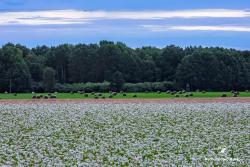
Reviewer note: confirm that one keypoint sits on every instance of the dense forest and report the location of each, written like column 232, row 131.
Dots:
column 109, row 65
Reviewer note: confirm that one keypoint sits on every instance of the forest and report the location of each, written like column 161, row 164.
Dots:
column 115, row 66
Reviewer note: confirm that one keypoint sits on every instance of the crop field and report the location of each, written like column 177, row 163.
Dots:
column 90, row 133
column 150, row 95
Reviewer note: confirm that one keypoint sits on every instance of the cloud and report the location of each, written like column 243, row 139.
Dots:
column 159, row 28
column 50, row 17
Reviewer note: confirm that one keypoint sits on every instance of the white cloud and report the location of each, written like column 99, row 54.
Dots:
column 49, row 17
column 159, row 28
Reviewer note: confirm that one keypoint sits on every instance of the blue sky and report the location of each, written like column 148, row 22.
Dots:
column 137, row 23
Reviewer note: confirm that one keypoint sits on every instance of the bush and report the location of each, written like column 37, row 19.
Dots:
column 83, row 87
column 148, row 86
column 134, row 96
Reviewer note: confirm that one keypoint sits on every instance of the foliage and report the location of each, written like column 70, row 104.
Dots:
column 49, row 79
column 212, row 69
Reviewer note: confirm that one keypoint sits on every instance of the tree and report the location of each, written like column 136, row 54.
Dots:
column 169, row 61
column 15, row 75
column 49, row 79
column 213, row 68
column 116, row 81
column 199, row 70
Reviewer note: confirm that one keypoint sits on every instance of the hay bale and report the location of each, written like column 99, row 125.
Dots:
column 224, row 95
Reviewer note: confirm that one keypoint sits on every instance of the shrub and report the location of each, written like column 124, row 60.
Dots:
column 45, row 97
column 134, row 96
column 110, row 96
column 15, row 94
column 124, row 94
column 177, row 95
column 187, row 95
column 86, row 95
column 83, row 87
column 148, row 86
column 191, row 94
column 34, row 97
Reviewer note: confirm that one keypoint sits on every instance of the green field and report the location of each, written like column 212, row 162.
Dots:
column 120, row 95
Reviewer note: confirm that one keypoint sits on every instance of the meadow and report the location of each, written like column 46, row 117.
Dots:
column 150, row 95
column 124, row 134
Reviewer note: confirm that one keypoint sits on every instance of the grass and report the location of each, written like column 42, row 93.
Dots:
column 152, row 95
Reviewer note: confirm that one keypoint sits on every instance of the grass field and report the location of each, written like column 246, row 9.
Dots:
column 152, row 95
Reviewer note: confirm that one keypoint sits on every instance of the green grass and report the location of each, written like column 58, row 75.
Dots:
column 120, row 96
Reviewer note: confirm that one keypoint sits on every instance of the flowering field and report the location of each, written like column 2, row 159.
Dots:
column 124, row 134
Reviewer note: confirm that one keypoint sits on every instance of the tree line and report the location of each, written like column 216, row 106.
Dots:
column 46, row 68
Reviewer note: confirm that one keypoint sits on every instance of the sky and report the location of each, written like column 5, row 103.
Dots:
column 223, row 23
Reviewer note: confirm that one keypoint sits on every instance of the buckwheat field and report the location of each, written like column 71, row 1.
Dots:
column 124, row 134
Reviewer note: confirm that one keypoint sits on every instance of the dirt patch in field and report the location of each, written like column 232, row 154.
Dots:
column 175, row 100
